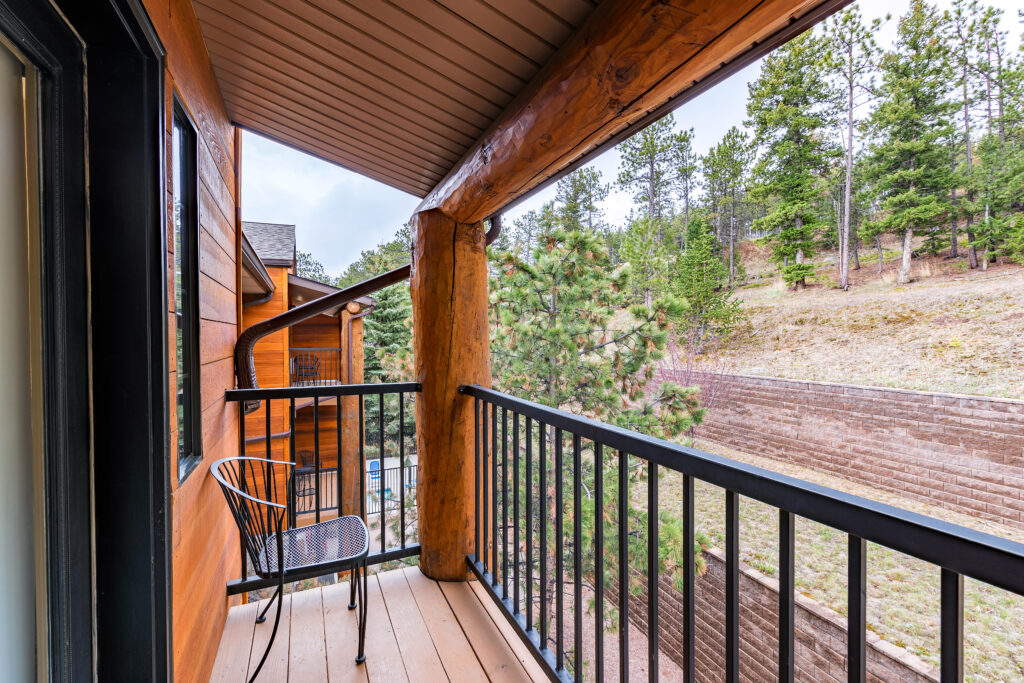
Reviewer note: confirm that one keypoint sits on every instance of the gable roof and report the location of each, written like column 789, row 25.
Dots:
column 274, row 242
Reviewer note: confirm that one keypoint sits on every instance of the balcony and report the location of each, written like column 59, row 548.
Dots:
column 560, row 573
column 315, row 367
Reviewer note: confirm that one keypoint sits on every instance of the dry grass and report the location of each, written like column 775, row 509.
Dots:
column 948, row 330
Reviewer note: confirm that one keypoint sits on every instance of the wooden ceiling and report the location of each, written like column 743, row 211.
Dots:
column 398, row 91
column 472, row 104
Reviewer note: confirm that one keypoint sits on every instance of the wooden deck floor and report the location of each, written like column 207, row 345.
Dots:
column 417, row 630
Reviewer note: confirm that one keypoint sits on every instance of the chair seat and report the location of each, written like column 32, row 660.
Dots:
column 343, row 538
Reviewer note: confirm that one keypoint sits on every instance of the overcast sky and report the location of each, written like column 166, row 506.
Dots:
column 338, row 213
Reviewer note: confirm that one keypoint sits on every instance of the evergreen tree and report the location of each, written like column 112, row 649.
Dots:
column 648, row 169
column 850, row 58
column 553, row 340
column 726, row 167
column 910, row 163
column 578, row 198
column 647, row 260
column 385, row 256
column 789, row 109
column 687, row 172
column 308, row 267
column 386, row 331
column 702, row 280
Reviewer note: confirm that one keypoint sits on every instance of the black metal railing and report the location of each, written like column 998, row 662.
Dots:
column 399, row 486
column 380, row 416
column 546, row 448
column 313, row 367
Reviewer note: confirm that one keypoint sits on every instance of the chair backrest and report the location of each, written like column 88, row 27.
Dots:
column 253, row 488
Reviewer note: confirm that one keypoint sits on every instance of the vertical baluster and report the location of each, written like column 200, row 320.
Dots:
column 856, row 621
column 559, row 554
column 951, row 643
column 362, row 459
column 529, row 524
column 732, row 587
column 787, row 580
column 316, row 455
column 494, row 495
column 652, row 571
column 337, row 460
column 689, row 602
column 484, row 519
column 577, row 558
column 542, row 499
column 241, row 483
column 515, row 510
column 599, row 561
column 623, row 566
column 383, row 475
column 293, row 479
column 476, row 478
column 401, row 464
column 504, row 504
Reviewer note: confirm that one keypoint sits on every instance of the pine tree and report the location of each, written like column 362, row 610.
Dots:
column 850, row 58
column 910, row 163
column 648, row 169
column 726, row 167
column 647, row 261
column 578, row 198
column 308, row 267
column 789, row 109
column 386, row 332
column 687, row 167
column 553, row 340
column 702, row 281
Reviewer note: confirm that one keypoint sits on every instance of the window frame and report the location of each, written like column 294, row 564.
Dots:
column 190, row 428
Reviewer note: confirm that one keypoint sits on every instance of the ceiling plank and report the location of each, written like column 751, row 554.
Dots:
column 630, row 57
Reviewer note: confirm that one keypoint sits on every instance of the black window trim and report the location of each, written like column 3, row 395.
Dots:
column 190, row 268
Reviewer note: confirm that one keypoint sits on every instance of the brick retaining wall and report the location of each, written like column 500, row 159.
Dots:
column 820, row 633
column 965, row 453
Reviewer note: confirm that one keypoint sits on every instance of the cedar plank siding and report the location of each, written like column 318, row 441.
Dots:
column 204, row 542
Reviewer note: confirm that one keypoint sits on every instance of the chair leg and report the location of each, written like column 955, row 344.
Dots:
column 263, row 615
column 353, row 577
column 273, row 634
column 361, row 657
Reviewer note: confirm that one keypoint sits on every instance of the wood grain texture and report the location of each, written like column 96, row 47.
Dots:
column 497, row 659
column 627, row 59
column 204, row 541
column 414, row 641
column 341, row 631
column 351, row 463
column 450, row 340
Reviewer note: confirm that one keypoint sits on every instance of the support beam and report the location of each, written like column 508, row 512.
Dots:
column 351, row 463
column 449, row 302
column 631, row 59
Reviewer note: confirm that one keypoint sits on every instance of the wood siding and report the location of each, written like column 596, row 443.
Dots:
column 204, row 542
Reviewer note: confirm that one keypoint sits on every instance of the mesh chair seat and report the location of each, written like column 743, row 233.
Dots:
column 336, row 540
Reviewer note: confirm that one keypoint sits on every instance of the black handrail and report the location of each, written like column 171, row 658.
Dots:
column 957, row 550
column 389, row 545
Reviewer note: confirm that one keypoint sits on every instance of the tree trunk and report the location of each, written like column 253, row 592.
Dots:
column 856, row 252
column 844, row 230
column 732, row 241
column 904, row 276
column 972, row 253
column 878, row 243
column 953, row 246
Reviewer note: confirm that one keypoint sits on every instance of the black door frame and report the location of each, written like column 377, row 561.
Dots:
column 104, row 322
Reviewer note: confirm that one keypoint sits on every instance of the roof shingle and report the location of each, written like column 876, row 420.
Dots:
column 274, row 242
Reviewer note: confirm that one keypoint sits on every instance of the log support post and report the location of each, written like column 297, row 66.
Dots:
column 450, row 341
column 350, row 465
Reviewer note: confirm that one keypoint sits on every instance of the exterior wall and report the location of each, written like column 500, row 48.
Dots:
column 270, row 357
column 820, row 635
column 964, row 453
column 321, row 332
column 204, row 541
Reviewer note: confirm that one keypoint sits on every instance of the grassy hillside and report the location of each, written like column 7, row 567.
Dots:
column 951, row 329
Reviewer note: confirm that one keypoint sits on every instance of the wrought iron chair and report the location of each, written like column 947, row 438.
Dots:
column 253, row 488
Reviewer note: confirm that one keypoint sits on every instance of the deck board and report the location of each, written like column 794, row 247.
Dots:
column 417, row 629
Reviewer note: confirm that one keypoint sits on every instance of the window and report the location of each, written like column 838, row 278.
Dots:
column 184, row 184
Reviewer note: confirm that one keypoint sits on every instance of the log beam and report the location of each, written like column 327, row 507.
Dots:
column 629, row 59
column 450, row 338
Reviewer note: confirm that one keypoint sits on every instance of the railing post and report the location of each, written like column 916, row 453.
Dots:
column 450, row 344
